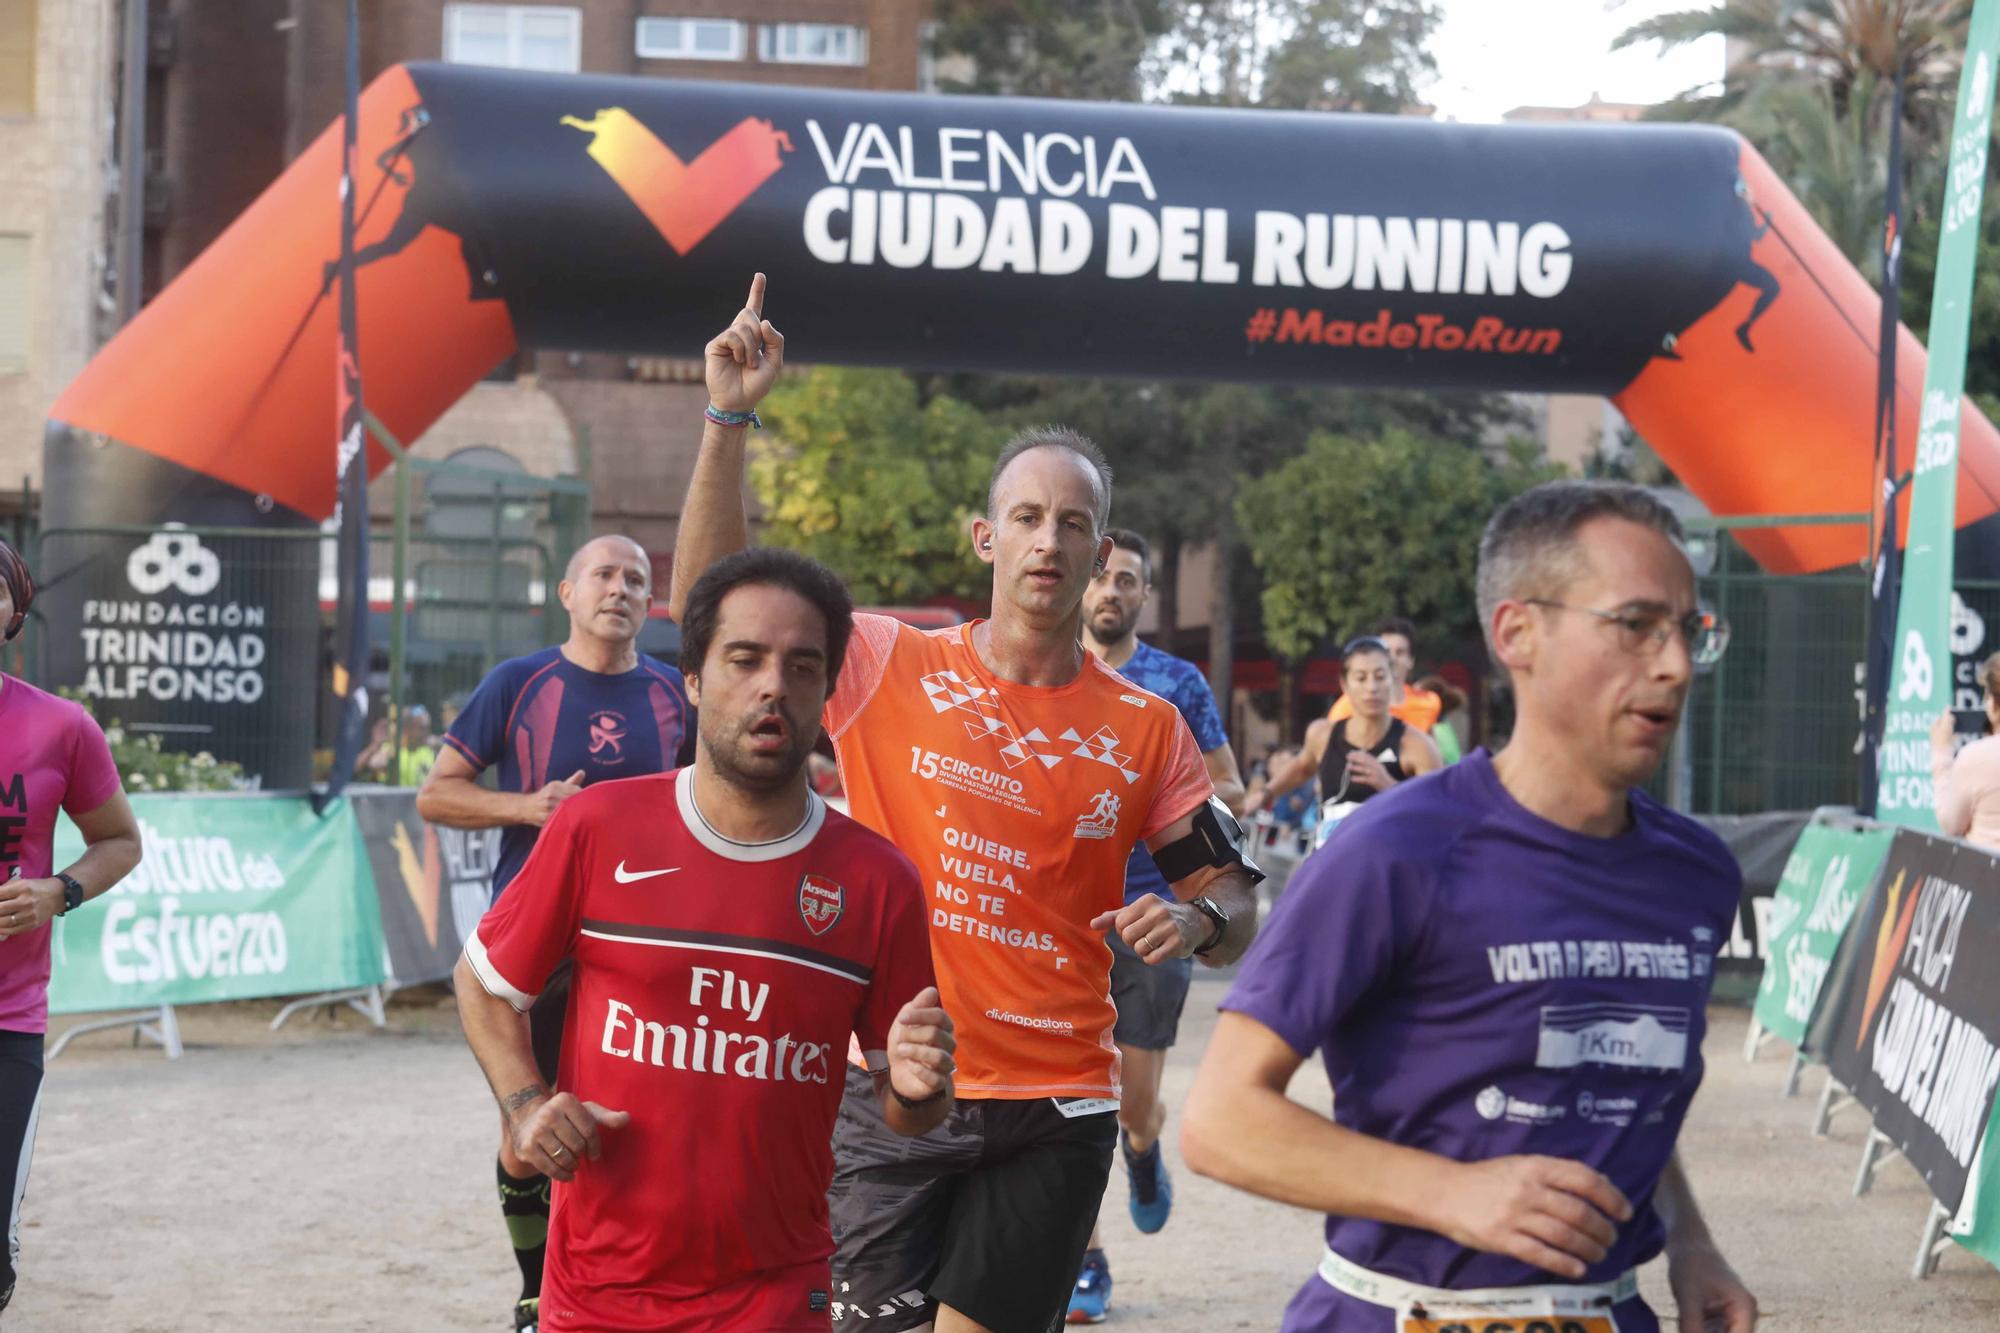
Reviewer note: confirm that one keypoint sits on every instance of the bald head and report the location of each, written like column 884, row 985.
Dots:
column 611, row 547
column 608, row 591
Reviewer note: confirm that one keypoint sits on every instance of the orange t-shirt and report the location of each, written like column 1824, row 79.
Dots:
column 1420, row 708
column 1020, row 806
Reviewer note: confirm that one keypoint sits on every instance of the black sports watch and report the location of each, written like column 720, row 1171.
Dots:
column 1207, row 907
column 72, row 893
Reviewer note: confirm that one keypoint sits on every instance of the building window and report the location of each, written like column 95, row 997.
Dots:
column 17, row 57
column 690, row 39
column 544, row 37
column 812, row 44
column 13, row 303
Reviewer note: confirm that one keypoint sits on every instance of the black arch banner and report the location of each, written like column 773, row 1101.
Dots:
column 1665, row 266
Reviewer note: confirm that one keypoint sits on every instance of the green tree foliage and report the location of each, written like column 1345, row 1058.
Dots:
column 1084, row 49
column 1982, row 361
column 1837, row 165
column 1313, row 55
column 1840, row 47
column 854, row 470
column 1355, row 524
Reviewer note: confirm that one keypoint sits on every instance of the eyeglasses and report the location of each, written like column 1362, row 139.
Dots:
column 1705, row 633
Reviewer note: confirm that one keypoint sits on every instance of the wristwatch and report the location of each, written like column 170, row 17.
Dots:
column 72, row 893
column 1207, row 907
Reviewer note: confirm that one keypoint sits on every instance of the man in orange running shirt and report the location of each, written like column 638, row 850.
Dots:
column 1018, row 772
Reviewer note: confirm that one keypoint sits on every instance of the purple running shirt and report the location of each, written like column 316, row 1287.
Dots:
column 1481, row 982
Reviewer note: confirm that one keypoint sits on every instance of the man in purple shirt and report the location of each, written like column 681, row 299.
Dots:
column 1505, row 967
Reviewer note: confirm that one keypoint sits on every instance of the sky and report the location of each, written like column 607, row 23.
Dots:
column 1495, row 55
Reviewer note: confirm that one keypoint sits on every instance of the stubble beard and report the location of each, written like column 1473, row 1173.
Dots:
column 725, row 758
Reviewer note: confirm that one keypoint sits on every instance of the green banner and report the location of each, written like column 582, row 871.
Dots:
column 1830, row 871
column 1920, row 685
column 237, row 897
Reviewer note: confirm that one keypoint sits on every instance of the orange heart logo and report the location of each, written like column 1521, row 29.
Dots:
column 684, row 201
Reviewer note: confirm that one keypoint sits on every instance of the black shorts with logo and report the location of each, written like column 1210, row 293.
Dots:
column 989, row 1213
column 1149, row 996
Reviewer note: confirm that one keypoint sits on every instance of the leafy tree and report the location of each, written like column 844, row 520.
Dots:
column 1355, row 524
column 1840, row 46
column 1982, row 362
column 1083, row 49
column 855, row 471
column 1837, row 165
column 1313, row 55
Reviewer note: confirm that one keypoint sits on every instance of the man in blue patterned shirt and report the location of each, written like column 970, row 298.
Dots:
column 1149, row 998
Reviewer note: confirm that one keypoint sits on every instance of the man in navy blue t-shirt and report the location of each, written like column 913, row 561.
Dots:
column 1149, row 996
column 1505, row 967
column 591, row 709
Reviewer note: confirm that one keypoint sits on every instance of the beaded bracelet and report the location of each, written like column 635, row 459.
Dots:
column 723, row 418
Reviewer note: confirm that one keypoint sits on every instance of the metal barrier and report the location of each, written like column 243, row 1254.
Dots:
column 1775, row 725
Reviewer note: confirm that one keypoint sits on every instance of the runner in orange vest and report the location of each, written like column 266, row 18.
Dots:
column 1019, row 772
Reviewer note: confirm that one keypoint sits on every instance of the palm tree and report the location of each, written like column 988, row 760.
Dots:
column 1832, row 44
column 1837, row 165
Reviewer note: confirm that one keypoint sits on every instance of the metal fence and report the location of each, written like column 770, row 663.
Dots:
column 1775, row 725
column 477, row 554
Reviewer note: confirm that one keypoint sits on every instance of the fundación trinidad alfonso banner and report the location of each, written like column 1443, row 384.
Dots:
column 1830, row 870
column 237, row 897
column 1920, row 686
column 1911, row 1022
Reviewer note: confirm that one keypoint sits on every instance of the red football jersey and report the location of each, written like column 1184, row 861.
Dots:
column 715, row 986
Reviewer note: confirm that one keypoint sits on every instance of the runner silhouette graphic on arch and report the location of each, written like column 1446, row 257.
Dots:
column 1749, row 228
column 432, row 197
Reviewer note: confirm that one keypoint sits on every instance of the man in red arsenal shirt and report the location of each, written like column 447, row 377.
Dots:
column 729, row 932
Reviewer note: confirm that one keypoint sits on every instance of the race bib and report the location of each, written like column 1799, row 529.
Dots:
column 1547, row 1316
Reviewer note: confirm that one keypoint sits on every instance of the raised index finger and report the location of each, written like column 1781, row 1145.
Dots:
column 755, row 305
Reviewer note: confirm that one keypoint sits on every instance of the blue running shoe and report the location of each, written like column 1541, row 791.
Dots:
column 1092, row 1294
column 1152, row 1187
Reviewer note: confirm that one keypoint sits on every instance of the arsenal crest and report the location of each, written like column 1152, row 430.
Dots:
column 820, row 901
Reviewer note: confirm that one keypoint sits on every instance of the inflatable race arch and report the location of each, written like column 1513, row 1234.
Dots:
column 1664, row 266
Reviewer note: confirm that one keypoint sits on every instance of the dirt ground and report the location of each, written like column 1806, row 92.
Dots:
column 333, row 1177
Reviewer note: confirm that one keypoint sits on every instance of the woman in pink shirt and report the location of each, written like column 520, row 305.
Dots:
column 52, row 756
column 1967, row 789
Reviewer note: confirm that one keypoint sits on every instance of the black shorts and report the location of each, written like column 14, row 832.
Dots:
column 989, row 1213
column 545, row 1021
column 1149, row 996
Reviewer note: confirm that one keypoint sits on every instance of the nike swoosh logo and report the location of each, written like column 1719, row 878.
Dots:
column 624, row 876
